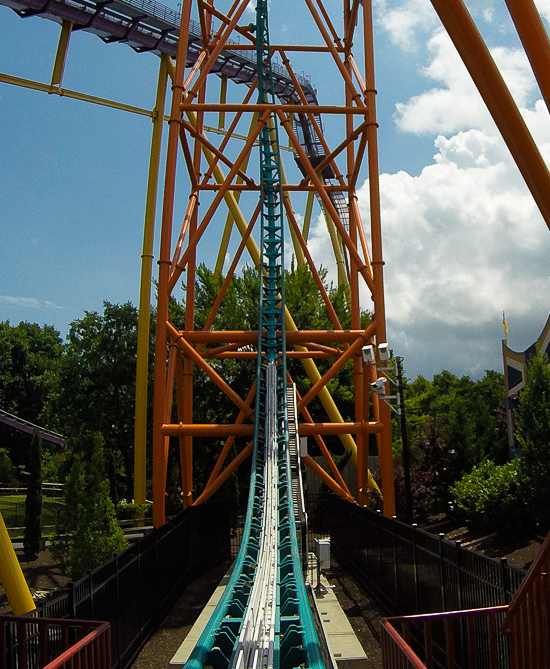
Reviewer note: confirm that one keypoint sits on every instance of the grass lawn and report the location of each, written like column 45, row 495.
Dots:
column 12, row 508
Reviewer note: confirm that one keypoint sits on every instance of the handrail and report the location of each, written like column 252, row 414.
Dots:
column 406, row 652
column 398, row 654
column 78, row 655
column 540, row 567
column 36, row 636
column 442, row 615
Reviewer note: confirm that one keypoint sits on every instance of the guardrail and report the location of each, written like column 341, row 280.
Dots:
column 410, row 571
column 36, row 643
column 528, row 619
column 466, row 639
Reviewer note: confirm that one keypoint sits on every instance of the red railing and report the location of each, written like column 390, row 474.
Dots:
column 396, row 654
column 40, row 643
column 527, row 621
column 467, row 638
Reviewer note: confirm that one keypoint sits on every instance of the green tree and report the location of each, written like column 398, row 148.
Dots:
column 454, row 424
column 32, row 537
column 239, row 311
column 87, row 533
column 534, row 439
column 7, row 472
column 29, row 359
column 96, row 388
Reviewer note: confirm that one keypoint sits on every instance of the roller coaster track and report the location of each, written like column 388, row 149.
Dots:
column 149, row 26
column 29, row 428
column 263, row 618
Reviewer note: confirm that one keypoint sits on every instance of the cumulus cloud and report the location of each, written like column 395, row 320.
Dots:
column 463, row 240
column 544, row 8
column 404, row 21
column 456, row 104
column 28, row 302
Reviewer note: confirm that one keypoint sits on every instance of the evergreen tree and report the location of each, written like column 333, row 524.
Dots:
column 534, row 438
column 88, row 533
column 7, row 472
column 32, row 538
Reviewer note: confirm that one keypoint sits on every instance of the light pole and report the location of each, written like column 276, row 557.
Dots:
column 404, row 439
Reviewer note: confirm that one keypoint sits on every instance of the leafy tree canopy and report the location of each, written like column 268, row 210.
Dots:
column 454, row 424
column 534, row 439
column 29, row 360
column 95, row 390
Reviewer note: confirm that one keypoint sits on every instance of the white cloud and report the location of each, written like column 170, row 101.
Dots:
column 28, row 302
column 463, row 240
column 457, row 105
column 544, row 8
column 489, row 14
column 320, row 247
column 405, row 21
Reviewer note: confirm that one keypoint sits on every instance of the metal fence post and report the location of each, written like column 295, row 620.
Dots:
column 117, row 595
column 395, row 566
column 442, row 572
column 91, row 596
column 415, row 567
column 458, row 547
column 379, row 515
column 140, row 594
column 72, row 603
column 504, row 580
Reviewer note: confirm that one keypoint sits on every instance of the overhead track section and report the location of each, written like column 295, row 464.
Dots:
column 148, row 26
column 30, row 428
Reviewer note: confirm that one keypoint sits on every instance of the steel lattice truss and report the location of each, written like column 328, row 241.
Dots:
column 221, row 175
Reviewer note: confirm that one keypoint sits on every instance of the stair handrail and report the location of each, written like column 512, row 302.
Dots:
column 539, row 568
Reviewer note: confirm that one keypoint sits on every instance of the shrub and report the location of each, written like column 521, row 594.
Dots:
column 87, row 532
column 490, row 499
column 133, row 510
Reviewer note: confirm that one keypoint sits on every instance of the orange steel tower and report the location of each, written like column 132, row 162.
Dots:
column 214, row 127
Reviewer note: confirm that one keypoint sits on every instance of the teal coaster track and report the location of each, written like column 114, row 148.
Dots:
column 263, row 618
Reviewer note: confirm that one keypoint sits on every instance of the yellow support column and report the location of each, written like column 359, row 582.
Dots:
column 61, row 55
column 142, row 369
column 15, row 586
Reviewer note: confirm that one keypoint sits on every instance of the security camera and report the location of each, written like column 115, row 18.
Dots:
column 379, row 386
column 383, row 352
column 368, row 354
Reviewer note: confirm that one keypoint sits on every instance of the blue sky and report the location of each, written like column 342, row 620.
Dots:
column 462, row 239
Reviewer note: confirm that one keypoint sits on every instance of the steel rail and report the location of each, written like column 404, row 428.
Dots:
column 25, row 426
column 263, row 619
column 256, row 643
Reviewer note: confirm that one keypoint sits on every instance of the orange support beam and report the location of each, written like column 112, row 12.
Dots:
column 215, row 197
column 534, row 38
column 486, row 76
